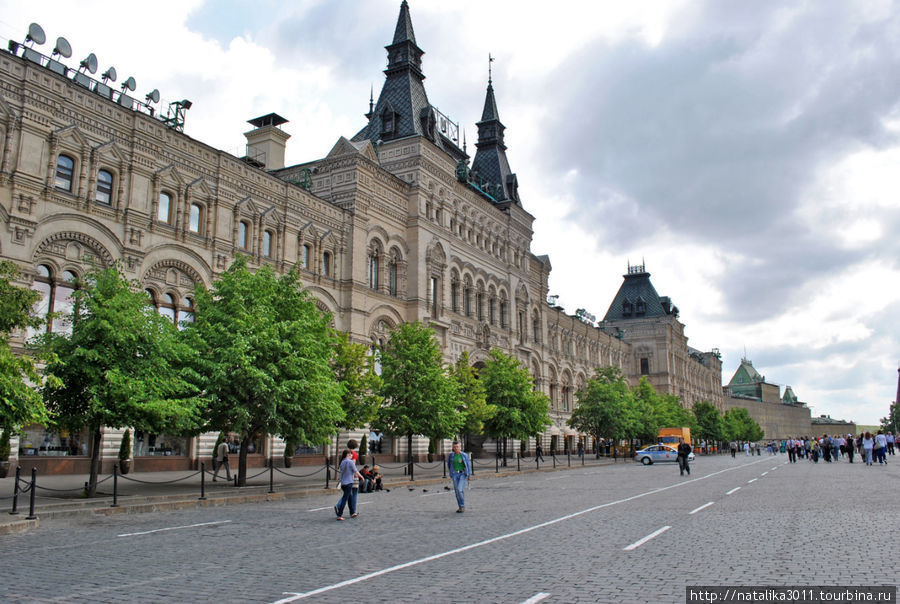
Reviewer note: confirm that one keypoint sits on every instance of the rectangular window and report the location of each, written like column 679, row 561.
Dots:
column 194, row 223
column 65, row 170
column 304, row 256
column 104, row 187
column 645, row 366
column 326, row 264
column 242, row 235
column 165, row 203
column 434, row 296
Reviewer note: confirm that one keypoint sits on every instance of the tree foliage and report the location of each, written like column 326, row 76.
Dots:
column 121, row 365
column 519, row 411
column 472, row 403
column 709, row 422
column 605, row 406
column 419, row 397
column 354, row 370
column 264, row 359
column 20, row 402
column 738, row 425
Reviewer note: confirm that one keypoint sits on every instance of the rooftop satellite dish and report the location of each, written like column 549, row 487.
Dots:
column 130, row 84
column 153, row 96
column 62, row 48
column 109, row 74
column 90, row 63
column 36, row 34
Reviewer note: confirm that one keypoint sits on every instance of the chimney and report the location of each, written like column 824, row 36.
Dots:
column 266, row 143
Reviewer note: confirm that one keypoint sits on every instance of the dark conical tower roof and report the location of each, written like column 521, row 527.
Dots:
column 491, row 163
column 403, row 109
column 637, row 298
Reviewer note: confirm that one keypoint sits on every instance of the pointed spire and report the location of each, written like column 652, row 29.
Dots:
column 404, row 31
column 464, row 150
column 371, row 102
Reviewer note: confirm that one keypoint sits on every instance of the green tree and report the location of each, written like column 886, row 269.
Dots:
column 264, row 359
column 709, row 422
column 519, row 410
column 20, row 402
column 656, row 410
column 605, row 406
column 472, row 404
column 121, row 365
column 738, row 425
column 354, row 370
column 419, row 397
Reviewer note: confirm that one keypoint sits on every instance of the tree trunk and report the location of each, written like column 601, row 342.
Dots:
column 95, row 463
column 409, row 454
column 242, row 461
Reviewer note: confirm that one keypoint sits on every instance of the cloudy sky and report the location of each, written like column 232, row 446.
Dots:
column 747, row 152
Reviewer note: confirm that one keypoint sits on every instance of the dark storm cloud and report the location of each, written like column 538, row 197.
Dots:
column 719, row 133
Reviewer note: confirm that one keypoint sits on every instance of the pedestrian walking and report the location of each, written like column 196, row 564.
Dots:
column 460, row 470
column 733, row 446
column 880, row 447
column 539, row 451
column 349, row 476
column 850, row 447
column 684, row 449
column 221, row 459
column 868, row 443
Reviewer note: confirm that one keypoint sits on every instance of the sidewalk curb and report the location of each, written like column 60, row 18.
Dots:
column 252, row 494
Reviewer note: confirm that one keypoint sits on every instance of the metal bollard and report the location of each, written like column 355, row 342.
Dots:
column 472, row 460
column 445, row 466
column 31, row 515
column 327, row 472
column 202, row 481
column 115, row 502
column 271, row 474
column 235, row 479
column 569, row 457
column 15, row 506
column 583, row 455
column 554, row 460
column 518, row 462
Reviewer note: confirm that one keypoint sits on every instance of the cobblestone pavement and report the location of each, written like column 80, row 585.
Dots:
column 568, row 536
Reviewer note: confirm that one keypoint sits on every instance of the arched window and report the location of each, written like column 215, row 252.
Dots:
column 194, row 221
column 65, row 172
column 504, row 314
column 467, row 299
column 304, row 256
column 479, row 305
column 373, row 268
column 169, row 306
column 104, row 187
column 392, row 276
column 536, row 329
column 492, row 310
column 267, row 244
column 56, row 297
column 454, row 295
column 326, row 264
column 164, row 211
column 243, row 229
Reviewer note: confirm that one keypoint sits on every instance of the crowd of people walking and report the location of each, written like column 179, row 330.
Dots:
column 869, row 447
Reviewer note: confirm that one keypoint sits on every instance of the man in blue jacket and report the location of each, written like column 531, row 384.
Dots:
column 460, row 470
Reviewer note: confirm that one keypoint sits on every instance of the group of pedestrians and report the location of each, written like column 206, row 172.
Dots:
column 832, row 448
column 458, row 465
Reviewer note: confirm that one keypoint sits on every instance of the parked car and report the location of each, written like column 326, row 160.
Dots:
column 658, row 453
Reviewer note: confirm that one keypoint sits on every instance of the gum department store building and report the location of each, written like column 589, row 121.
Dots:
column 395, row 224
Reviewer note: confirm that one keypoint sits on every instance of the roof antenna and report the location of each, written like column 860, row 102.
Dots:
column 490, row 73
column 371, row 102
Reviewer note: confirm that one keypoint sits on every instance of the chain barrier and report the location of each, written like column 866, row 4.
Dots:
column 280, row 471
column 435, row 464
column 159, row 481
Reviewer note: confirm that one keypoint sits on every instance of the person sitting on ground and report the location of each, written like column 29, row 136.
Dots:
column 368, row 482
column 376, row 477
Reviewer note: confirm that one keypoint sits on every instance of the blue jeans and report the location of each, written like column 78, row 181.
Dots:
column 459, row 487
column 348, row 498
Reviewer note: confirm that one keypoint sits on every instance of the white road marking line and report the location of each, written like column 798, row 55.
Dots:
column 733, row 490
column 751, row 480
column 174, row 528
column 641, row 542
column 764, row 473
column 331, row 507
column 294, row 596
column 536, row 598
column 705, row 505
column 439, row 493
column 775, row 468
